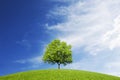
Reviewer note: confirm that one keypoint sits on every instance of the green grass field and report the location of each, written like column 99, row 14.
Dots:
column 54, row 74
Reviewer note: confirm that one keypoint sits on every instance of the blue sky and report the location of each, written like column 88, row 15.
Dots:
column 91, row 27
column 22, row 32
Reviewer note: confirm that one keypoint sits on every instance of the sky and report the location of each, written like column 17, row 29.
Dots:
column 90, row 26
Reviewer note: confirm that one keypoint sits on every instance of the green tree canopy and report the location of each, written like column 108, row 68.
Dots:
column 58, row 52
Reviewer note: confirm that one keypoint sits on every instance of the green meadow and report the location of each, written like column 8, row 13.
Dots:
column 53, row 74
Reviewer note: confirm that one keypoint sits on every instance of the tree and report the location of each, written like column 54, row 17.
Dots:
column 58, row 52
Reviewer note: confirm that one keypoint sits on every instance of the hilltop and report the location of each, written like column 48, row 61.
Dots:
column 62, row 74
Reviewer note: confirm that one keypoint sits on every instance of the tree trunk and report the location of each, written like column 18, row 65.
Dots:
column 58, row 65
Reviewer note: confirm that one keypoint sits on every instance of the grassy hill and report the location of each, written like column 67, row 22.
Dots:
column 58, row 75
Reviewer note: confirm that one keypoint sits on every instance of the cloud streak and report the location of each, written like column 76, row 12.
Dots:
column 35, row 62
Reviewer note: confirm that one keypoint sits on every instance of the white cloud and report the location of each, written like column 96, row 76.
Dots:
column 94, row 25
column 86, row 24
column 112, row 37
column 76, row 65
column 113, row 68
column 64, row 0
column 35, row 61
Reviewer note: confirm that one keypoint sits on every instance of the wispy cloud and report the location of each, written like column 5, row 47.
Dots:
column 34, row 62
column 95, row 26
column 25, row 43
column 64, row 0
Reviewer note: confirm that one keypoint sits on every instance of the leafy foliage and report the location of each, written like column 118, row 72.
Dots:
column 58, row 52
